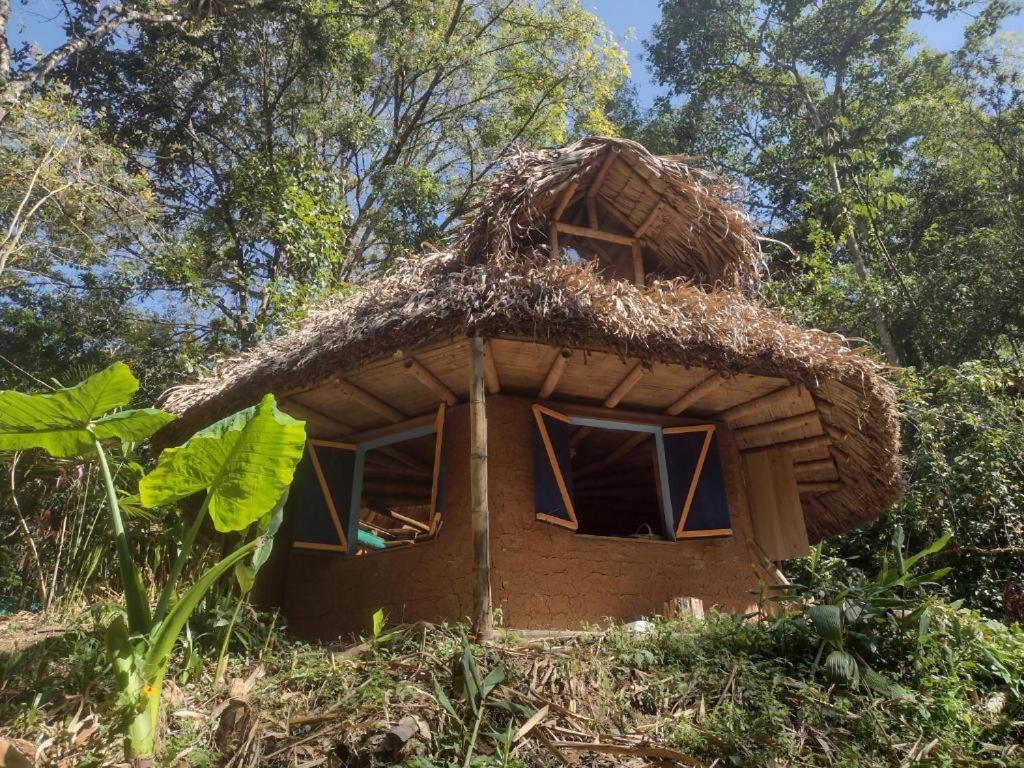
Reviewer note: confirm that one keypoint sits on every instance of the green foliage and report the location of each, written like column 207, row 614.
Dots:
column 964, row 436
column 853, row 618
column 67, row 422
column 244, row 463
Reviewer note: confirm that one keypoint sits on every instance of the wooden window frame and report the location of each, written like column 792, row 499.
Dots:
column 348, row 532
column 709, row 435
column 672, row 532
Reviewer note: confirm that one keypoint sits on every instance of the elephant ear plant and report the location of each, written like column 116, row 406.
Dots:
column 243, row 466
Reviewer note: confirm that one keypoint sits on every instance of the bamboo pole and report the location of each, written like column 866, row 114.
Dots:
column 478, row 491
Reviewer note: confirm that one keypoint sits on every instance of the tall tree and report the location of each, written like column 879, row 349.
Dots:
column 815, row 101
column 295, row 149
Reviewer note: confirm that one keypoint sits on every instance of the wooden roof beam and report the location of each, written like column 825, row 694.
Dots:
column 430, row 381
column 703, row 389
column 370, row 401
column 757, row 432
column 818, row 441
column 623, row 388
column 303, row 411
column 491, row 369
column 555, row 373
column 594, row 234
column 564, row 199
column 649, row 220
column 602, row 172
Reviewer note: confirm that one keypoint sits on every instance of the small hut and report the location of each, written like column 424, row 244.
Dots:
column 577, row 410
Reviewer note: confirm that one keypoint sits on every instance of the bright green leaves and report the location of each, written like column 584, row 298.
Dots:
column 64, row 422
column 245, row 464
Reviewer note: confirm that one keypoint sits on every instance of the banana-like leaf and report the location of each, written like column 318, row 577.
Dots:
column 842, row 668
column 828, row 622
column 165, row 634
column 244, row 462
column 883, row 685
column 131, row 426
column 59, row 422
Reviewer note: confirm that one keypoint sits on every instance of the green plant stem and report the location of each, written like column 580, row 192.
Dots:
column 473, row 736
column 179, row 562
column 222, row 659
column 135, row 602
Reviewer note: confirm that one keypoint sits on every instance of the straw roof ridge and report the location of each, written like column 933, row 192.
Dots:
column 437, row 296
column 704, row 234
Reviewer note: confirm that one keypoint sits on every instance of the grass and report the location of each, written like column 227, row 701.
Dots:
column 718, row 692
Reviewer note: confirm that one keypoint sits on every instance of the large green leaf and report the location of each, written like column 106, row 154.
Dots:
column 244, row 462
column 59, row 422
column 828, row 622
column 842, row 668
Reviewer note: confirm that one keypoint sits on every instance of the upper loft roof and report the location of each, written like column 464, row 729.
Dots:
column 612, row 201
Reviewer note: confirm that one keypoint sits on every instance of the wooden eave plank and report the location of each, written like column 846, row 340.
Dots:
column 764, row 402
column 824, row 487
column 754, row 434
column 303, row 411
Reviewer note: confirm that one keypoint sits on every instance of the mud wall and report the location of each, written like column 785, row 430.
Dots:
column 542, row 576
column 548, row 577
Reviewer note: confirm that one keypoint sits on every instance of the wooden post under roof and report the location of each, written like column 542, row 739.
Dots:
column 482, row 619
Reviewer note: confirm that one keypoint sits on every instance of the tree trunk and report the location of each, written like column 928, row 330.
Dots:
column 860, row 265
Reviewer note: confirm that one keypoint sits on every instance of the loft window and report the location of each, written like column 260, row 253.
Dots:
column 364, row 497
column 615, row 478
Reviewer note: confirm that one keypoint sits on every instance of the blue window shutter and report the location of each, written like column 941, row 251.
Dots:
column 552, row 468
column 321, row 496
column 696, row 482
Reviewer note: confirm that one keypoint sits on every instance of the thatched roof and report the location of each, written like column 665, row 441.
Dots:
column 434, row 296
column 687, row 215
column 493, row 284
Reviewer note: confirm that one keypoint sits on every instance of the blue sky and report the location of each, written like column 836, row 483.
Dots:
column 631, row 22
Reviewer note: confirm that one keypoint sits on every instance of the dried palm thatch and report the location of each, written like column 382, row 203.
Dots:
column 686, row 217
column 529, row 295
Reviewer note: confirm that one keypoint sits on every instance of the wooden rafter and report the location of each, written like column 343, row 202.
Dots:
column 303, row 411
column 555, row 373
column 369, row 400
column 647, row 222
column 430, row 381
column 817, row 465
column 564, row 199
column 755, row 433
column 806, row 443
column 708, row 385
column 491, row 369
column 594, row 234
column 623, row 387
column 602, row 172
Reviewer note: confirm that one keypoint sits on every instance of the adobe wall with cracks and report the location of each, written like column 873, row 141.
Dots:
column 543, row 577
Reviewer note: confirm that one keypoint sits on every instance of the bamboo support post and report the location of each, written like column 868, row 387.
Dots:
column 482, row 619
column 638, row 265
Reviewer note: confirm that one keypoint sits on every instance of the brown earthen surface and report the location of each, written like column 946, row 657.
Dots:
column 543, row 577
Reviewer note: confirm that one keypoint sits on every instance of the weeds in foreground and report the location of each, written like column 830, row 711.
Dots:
column 743, row 693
